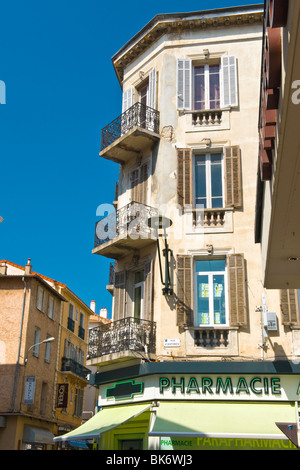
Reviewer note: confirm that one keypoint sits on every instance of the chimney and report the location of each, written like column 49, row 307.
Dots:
column 93, row 305
column 28, row 267
column 103, row 312
column 3, row 269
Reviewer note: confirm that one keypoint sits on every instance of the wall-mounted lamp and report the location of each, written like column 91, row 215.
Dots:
column 48, row 340
column 162, row 223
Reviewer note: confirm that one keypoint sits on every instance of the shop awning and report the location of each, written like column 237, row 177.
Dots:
column 104, row 421
column 35, row 435
column 221, row 420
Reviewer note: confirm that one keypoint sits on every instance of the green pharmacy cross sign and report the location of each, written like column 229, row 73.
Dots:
column 123, row 390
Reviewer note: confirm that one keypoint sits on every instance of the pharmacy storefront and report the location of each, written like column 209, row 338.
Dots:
column 196, row 406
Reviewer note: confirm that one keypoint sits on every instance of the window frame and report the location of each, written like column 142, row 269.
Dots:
column 206, row 65
column 210, row 275
column 208, row 165
column 40, row 299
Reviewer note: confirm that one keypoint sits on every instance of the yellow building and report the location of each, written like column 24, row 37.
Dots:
column 42, row 385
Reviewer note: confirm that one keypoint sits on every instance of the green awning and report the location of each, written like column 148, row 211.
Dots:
column 222, row 419
column 104, row 421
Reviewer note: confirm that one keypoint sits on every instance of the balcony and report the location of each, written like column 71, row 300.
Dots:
column 124, row 230
column 71, row 324
column 121, row 340
column 130, row 133
column 69, row 365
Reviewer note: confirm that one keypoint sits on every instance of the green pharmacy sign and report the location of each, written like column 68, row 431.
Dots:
column 124, row 390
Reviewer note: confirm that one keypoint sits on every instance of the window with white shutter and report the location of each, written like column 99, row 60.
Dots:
column 205, row 86
column 40, row 301
column 127, row 99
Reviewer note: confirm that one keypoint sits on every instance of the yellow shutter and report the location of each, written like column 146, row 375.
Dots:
column 233, row 186
column 184, row 291
column 237, row 290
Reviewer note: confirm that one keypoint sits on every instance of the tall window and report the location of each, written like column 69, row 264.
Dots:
column 40, row 300
column 36, row 340
column 209, row 180
column 138, row 294
column 206, row 87
column 51, row 307
column 210, row 282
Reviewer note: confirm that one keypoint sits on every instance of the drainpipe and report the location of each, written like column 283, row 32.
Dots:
column 19, row 350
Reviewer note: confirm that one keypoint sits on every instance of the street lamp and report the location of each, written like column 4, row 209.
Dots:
column 161, row 222
column 48, row 340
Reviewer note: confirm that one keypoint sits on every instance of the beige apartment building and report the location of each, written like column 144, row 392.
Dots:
column 43, row 348
column 199, row 354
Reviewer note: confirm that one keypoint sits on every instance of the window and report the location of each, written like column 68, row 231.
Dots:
column 36, row 340
column 51, row 307
column 47, row 351
column 78, row 402
column 211, row 298
column 145, row 93
column 203, row 298
column 209, row 180
column 43, row 402
column 40, row 300
column 216, row 180
column 138, row 294
column 133, row 293
column 138, row 184
column 206, row 85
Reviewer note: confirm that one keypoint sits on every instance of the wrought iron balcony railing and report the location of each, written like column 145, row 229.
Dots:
column 137, row 115
column 128, row 334
column 69, row 365
column 129, row 221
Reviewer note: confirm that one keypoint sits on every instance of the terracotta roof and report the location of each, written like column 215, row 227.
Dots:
column 33, row 272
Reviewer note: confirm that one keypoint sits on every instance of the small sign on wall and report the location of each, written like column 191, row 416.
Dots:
column 171, row 342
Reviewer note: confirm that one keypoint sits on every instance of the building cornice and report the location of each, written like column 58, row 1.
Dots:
column 177, row 23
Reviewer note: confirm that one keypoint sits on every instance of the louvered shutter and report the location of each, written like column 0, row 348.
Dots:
column 119, row 295
column 148, row 290
column 184, row 84
column 237, row 290
column 127, row 99
column 289, row 306
column 233, row 185
column 184, row 291
column 143, row 184
column 184, row 177
column 229, row 81
column 152, row 89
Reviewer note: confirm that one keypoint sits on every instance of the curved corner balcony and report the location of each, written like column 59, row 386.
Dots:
column 130, row 133
column 124, row 230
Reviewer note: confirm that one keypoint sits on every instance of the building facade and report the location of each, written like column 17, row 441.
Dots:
column 42, row 389
column 198, row 354
column 276, row 227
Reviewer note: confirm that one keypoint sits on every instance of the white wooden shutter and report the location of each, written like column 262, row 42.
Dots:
column 184, row 83
column 229, row 81
column 151, row 101
column 127, row 99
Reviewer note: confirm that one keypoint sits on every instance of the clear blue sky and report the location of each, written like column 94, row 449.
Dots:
column 61, row 89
